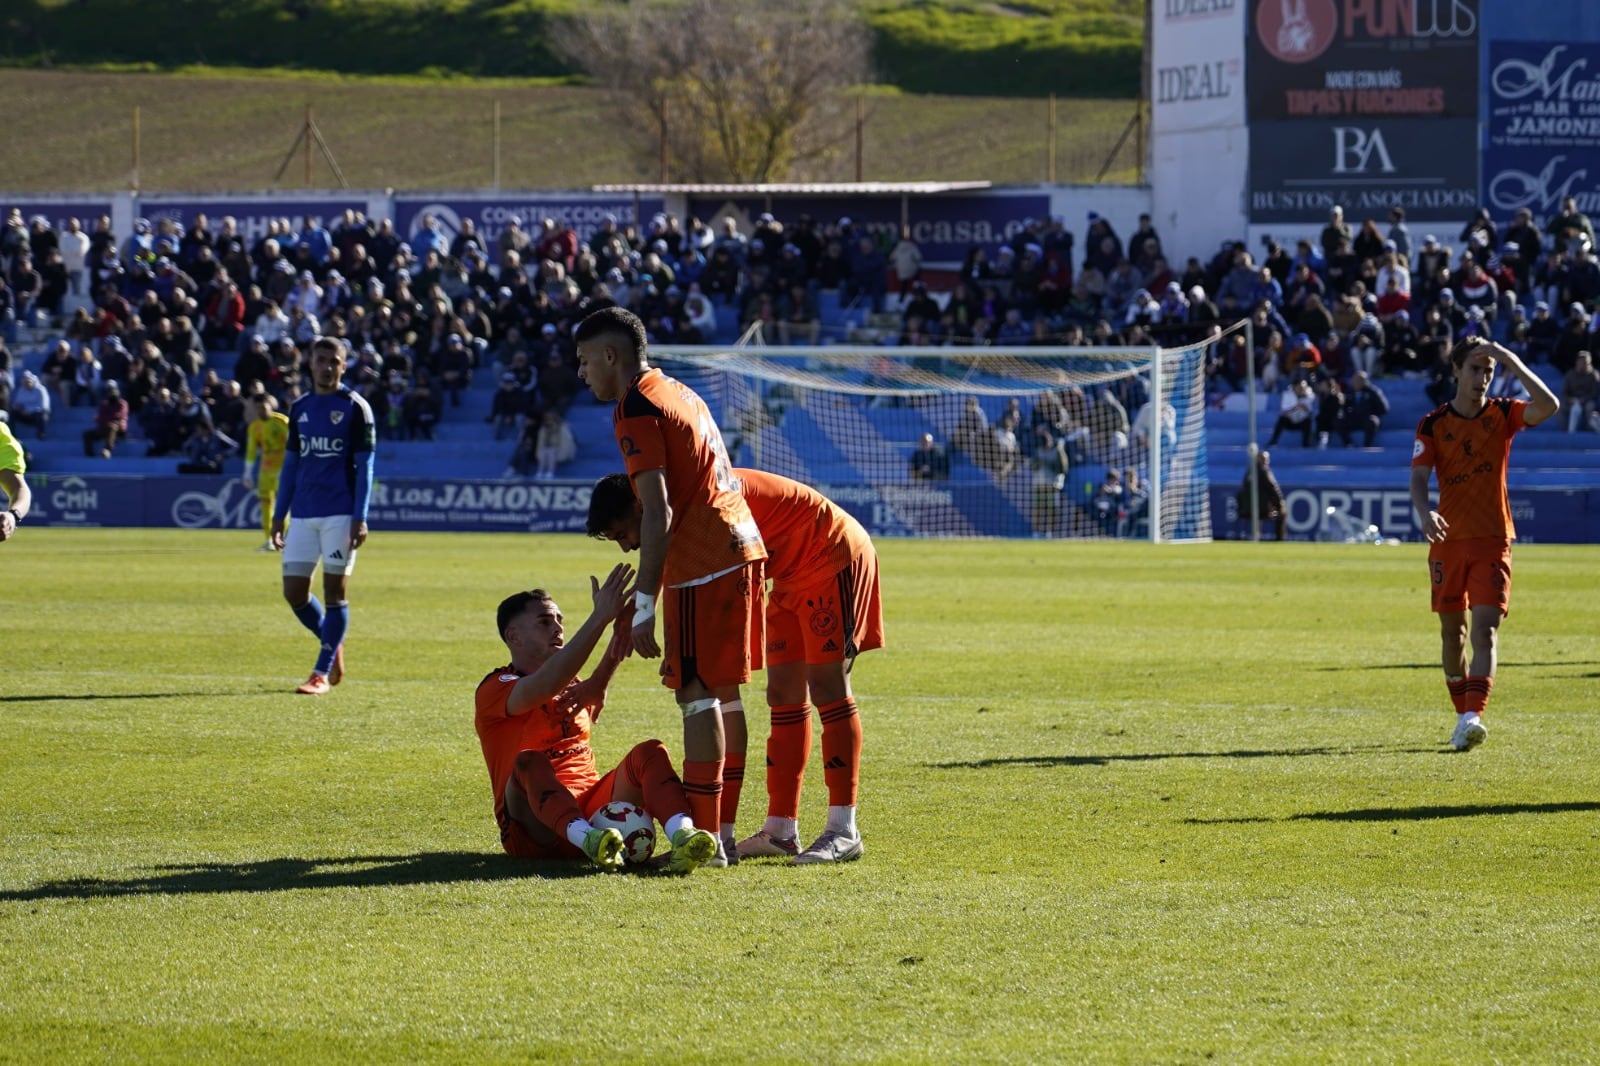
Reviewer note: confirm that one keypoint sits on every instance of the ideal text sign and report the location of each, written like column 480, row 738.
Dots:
column 1542, row 129
column 1354, row 59
column 1197, row 69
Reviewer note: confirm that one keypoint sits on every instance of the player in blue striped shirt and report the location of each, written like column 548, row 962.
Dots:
column 326, row 484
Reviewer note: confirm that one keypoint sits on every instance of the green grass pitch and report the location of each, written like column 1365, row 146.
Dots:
column 1122, row 804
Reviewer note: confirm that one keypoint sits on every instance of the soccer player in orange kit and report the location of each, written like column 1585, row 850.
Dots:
column 696, row 538
column 1467, row 442
column 824, row 609
column 533, row 719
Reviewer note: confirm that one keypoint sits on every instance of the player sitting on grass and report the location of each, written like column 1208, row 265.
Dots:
column 533, row 721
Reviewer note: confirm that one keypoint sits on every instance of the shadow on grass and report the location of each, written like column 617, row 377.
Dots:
column 1413, row 814
column 1103, row 760
column 112, row 696
column 281, row 875
column 1434, row 665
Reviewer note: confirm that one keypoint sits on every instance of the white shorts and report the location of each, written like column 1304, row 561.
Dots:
column 308, row 540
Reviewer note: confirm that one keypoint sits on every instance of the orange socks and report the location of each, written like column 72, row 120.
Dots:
column 788, row 751
column 1475, row 694
column 732, row 785
column 702, row 784
column 841, row 751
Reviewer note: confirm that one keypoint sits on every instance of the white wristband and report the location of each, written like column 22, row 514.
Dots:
column 644, row 608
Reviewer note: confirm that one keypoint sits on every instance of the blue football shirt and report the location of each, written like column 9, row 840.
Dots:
column 329, row 437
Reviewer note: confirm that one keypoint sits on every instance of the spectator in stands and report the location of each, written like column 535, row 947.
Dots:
column 800, row 321
column 421, row 410
column 205, row 450
column 1337, row 230
column 1570, row 225
column 869, row 275
column 224, row 317
column 972, row 432
column 1580, row 393
column 1050, row 463
column 1483, row 227
column 1263, row 495
column 1106, row 504
column 30, row 404
column 509, row 406
column 1296, row 412
column 929, row 461
column 110, row 424
column 86, row 379
column 1364, row 411
column 1573, row 338
column 1330, row 409
column 554, row 445
column 1108, row 425
column 906, row 258
column 702, row 316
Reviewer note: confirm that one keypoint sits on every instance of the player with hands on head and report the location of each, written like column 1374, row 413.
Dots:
column 1467, row 444
column 699, row 548
column 534, row 717
column 14, row 483
column 327, row 485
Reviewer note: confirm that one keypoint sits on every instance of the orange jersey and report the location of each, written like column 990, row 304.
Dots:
column 662, row 425
column 808, row 537
column 1469, row 456
column 559, row 728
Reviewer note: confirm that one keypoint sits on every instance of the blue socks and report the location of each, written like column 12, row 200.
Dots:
column 334, row 623
column 310, row 615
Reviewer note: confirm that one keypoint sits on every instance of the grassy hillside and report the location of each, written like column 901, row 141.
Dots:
column 216, row 132
column 1068, row 47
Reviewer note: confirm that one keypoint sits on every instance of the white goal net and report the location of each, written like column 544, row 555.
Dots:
column 1026, row 441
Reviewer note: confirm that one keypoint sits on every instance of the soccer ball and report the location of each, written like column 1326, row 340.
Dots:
column 634, row 823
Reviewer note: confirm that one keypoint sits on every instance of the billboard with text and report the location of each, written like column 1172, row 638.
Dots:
column 1298, row 170
column 1352, row 59
column 1542, row 128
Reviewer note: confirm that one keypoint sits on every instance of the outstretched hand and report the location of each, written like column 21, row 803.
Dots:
column 611, row 597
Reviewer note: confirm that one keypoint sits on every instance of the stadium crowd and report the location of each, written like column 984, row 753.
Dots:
column 422, row 315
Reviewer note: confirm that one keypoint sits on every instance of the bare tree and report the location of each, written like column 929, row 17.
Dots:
column 730, row 90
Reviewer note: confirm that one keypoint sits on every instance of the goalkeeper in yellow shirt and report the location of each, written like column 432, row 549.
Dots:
column 266, row 441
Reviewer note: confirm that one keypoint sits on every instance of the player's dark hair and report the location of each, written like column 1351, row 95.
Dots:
column 329, row 344
column 513, row 605
column 610, row 501
column 616, row 322
column 1463, row 351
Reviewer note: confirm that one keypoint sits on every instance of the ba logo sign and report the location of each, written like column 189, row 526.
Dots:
column 1356, row 151
column 1296, row 31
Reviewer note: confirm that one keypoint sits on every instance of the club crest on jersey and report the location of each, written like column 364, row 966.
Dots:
column 627, row 446
column 336, row 417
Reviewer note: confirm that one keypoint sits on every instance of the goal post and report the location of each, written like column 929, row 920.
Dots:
column 1046, row 442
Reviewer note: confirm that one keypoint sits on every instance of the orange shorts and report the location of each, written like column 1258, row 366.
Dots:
column 519, row 845
column 831, row 621
column 1470, row 573
column 714, row 631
